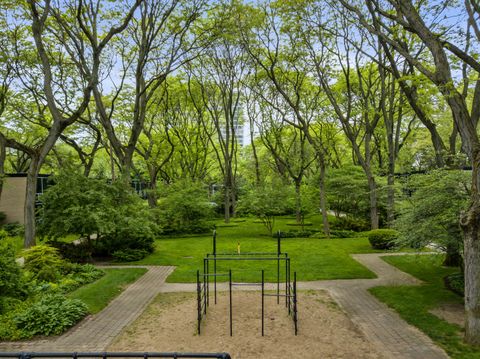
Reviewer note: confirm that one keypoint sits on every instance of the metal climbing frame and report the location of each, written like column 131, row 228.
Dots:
column 203, row 282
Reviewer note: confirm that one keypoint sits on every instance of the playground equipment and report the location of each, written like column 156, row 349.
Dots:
column 203, row 281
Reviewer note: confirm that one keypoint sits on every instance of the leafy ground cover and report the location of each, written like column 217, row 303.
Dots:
column 413, row 303
column 311, row 258
column 98, row 294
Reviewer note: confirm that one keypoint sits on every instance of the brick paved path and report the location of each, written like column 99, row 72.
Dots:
column 96, row 332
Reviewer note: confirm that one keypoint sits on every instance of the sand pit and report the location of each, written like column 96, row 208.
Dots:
column 169, row 324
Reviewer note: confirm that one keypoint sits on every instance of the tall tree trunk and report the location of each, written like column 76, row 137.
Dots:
column 298, row 202
column 30, row 200
column 3, row 155
column 470, row 224
column 323, row 199
column 152, row 193
column 373, row 201
column 226, row 202
column 391, row 183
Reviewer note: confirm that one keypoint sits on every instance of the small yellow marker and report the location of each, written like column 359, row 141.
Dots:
column 238, row 247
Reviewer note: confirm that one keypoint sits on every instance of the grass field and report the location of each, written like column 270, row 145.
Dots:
column 99, row 293
column 311, row 258
column 414, row 302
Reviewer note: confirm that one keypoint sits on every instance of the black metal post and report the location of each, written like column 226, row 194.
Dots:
column 204, row 287
column 199, row 302
column 289, row 285
column 215, row 264
column 263, row 300
column 278, row 267
column 230, row 291
column 208, row 283
column 286, row 283
column 295, row 301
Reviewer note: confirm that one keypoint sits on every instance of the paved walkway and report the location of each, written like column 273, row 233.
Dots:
column 96, row 332
column 381, row 325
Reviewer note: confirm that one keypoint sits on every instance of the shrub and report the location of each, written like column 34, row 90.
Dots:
column 456, row 283
column 130, row 255
column 78, row 253
column 184, row 208
column 351, row 224
column 51, row 315
column 382, row 238
column 10, row 275
column 43, row 262
column 295, row 234
column 2, row 216
column 342, row 233
column 3, row 234
column 14, row 229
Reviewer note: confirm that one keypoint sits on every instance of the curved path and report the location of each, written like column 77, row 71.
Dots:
column 381, row 325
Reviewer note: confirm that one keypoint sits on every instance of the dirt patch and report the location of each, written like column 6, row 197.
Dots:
column 453, row 313
column 169, row 324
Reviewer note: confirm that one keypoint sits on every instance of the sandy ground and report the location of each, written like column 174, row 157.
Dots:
column 169, row 324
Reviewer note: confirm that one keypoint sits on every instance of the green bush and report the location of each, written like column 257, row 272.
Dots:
column 351, row 224
column 342, row 233
column 14, row 229
column 295, row 234
column 456, row 283
column 10, row 275
column 3, row 234
column 184, row 207
column 2, row 216
column 51, row 315
column 86, row 206
column 77, row 253
column 130, row 255
column 382, row 238
column 43, row 262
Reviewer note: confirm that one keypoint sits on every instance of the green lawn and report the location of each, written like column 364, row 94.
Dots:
column 311, row 258
column 99, row 293
column 414, row 302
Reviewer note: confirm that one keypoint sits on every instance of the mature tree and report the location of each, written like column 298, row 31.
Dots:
column 280, row 59
column 218, row 74
column 51, row 72
column 444, row 50
column 159, row 40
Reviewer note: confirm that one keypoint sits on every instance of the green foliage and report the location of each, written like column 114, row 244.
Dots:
column 43, row 262
column 431, row 212
column 350, row 223
column 78, row 253
column 382, row 238
column 51, row 315
column 10, row 275
column 347, row 191
column 184, row 208
column 264, row 202
column 14, row 229
column 2, row 216
column 77, row 204
column 129, row 255
column 456, row 283
column 295, row 234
